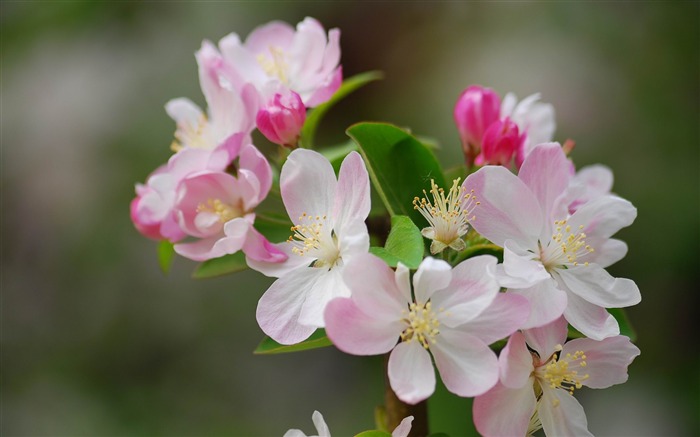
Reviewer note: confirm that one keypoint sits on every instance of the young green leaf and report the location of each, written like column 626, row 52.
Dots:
column 405, row 244
column 399, row 165
column 221, row 266
column 269, row 346
column 625, row 326
column 166, row 254
column 313, row 118
column 373, row 433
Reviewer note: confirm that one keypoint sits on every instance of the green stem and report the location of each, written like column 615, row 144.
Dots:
column 469, row 251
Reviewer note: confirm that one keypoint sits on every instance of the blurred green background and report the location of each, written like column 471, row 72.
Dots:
column 97, row 341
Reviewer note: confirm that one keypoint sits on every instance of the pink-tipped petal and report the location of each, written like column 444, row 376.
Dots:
column 352, row 201
column 280, row 307
column 504, row 316
column 308, row 184
column 404, row 428
column 591, row 320
column 402, row 277
column 545, row 339
column 327, row 89
column 508, row 210
column 276, row 269
column 325, row 288
column 515, row 363
column 606, row 360
column 354, row 332
column 432, row 275
column 604, row 216
column 258, row 248
column 504, row 412
column 607, row 251
column 204, row 249
column 520, row 268
column 411, row 372
column 562, row 415
column 251, row 159
column 467, row 366
column 374, row 289
column 547, row 303
column 273, row 34
column 594, row 284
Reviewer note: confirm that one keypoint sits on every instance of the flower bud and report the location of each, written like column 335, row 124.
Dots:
column 502, row 141
column 282, row 118
column 476, row 109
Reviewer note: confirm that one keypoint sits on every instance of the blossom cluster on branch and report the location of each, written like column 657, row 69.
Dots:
column 512, row 254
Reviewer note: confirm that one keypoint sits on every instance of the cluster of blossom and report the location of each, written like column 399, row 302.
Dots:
column 552, row 223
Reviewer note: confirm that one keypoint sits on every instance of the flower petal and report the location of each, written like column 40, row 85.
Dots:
column 276, row 269
column 251, row 159
column 504, row 412
column 608, row 251
column 404, row 428
column 590, row 319
column 547, row 303
column 374, row 289
column 505, row 315
column 325, row 288
column 432, row 275
column 606, row 360
column 467, row 366
column 594, row 284
column 520, row 268
column 545, row 339
column 352, row 201
column 507, row 210
column 354, row 332
column 258, row 248
column 515, row 362
column 320, row 424
column 200, row 250
column 603, row 216
column 411, row 374
column 308, row 184
column 562, row 415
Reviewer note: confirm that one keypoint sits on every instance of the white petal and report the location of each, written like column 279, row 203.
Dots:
column 308, row 184
column 604, row 216
column 591, row 320
column 320, row 425
column 373, row 287
column 595, row 285
column 504, row 412
column 547, row 303
column 328, row 286
column 520, row 269
column 545, row 339
column 404, row 428
column 505, row 315
column 606, row 360
column 515, row 363
column 432, row 275
column 352, row 201
column 562, row 415
column 411, row 372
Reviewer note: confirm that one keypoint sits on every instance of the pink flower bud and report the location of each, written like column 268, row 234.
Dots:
column 502, row 142
column 476, row 109
column 282, row 118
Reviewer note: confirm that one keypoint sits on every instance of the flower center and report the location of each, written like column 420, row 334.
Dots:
column 225, row 211
column 566, row 246
column 557, row 372
column 448, row 215
column 423, row 324
column 275, row 65
column 311, row 238
column 191, row 135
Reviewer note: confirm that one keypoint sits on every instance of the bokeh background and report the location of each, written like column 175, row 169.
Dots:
column 97, row 341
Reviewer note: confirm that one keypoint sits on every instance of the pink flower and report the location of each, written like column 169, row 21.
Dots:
column 329, row 231
column 217, row 208
column 282, row 118
column 557, row 261
column 305, row 61
column 476, row 109
column 322, row 429
column 588, row 184
column 455, row 315
column 535, row 120
column 535, row 388
column 502, row 142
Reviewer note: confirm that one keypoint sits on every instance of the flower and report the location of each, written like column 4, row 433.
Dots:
column 534, row 119
column 501, row 143
column 305, row 61
column 329, row 230
column 217, row 208
column 448, row 216
column 476, row 109
column 535, row 389
column 588, row 183
column 282, row 118
column 322, row 429
column 557, row 261
column 455, row 315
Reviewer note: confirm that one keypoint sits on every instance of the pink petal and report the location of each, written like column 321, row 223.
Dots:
column 547, row 303
column 352, row 201
column 604, row 216
column 505, row 315
column 508, row 209
column 470, row 291
column 607, row 251
column 515, row 363
column 326, row 90
column 280, row 307
column 606, row 360
column 546, row 172
column 591, row 320
column 204, row 249
column 276, row 269
column 273, row 34
column 432, row 275
column 467, row 366
column 544, row 340
column 325, row 288
column 504, row 412
column 562, row 415
column 184, row 111
column 257, row 248
column 374, row 289
column 520, row 268
column 251, row 159
column 404, row 428
column 402, row 277
column 308, row 184
column 595, row 285
column 411, row 373
column 353, row 241
column 354, row 332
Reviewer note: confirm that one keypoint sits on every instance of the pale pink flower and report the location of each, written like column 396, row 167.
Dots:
column 281, row 118
column 322, row 429
column 476, row 109
column 329, row 231
column 502, row 142
column 305, row 61
column 535, row 388
column 455, row 315
column 218, row 209
column 588, row 183
column 557, row 261
column 534, row 119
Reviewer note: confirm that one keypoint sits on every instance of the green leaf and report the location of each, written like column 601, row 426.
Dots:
column 269, row 346
column 313, row 118
column 373, row 433
column 625, row 326
column 405, row 244
column 400, row 166
column 221, row 266
column 275, row 227
column 166, row 255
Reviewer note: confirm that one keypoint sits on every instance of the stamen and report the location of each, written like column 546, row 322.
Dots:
column 275, row 66
column 423, row 324
column 556, row 373
column 191, row 135
column 225, row 211
column 313, row 237
column 566, row 247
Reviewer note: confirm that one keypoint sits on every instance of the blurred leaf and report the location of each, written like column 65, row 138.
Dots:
column 269, row 346
column 453, row 173
column 625, row 326
column 400, row 166
column 275, row 227
column 405, row 244
column 313, row 118
column 449, row 413
column 380, row 418
column 438, row 434
column 221, row 266
column 166, row 255
column 373, row 433
column 336, row 154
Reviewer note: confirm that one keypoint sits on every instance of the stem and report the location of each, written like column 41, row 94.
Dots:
column 397, row 410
